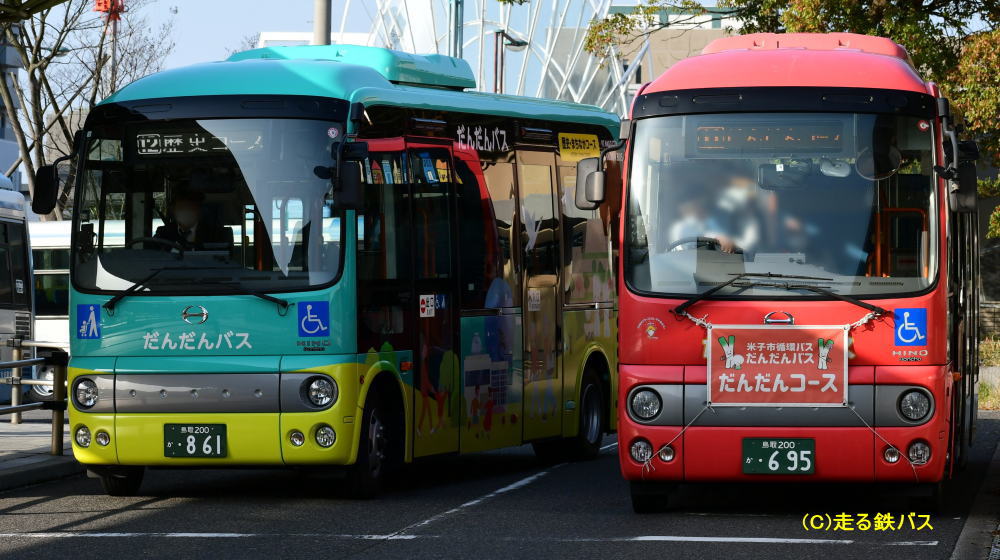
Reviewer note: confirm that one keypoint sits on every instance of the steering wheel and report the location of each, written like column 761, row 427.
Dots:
column 157, row 241
column 711, row 243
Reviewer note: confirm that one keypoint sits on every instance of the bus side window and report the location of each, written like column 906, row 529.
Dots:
column 19, row 264
column 383, row 236
column 500, row 183
column 587, row 277
column 477, row 238
column 6, row 278
column 431, row 172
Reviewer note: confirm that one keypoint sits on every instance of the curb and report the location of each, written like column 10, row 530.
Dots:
column 976, row 539
column 45, row 469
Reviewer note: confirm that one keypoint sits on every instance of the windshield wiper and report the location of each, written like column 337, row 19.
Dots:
column 238, row 288
column 830, row 293
column 111, row 303
column 680, row 309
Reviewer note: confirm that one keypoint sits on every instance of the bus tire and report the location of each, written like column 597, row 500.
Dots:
column 365, row 476
column 122, row 481
column 591, row 426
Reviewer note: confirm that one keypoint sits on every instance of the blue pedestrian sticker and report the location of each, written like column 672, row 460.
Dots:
column 440, row 302
column 314, row 318
column 88, row 321
column 911, row 326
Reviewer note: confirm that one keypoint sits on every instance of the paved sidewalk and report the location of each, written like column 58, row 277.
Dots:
column 24, row 451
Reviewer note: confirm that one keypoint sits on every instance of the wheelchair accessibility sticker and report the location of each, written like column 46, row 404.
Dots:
column 911, row 326
column 88, row 321
column 314, row 318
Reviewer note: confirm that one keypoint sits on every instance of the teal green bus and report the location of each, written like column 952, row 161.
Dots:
column 334, row 256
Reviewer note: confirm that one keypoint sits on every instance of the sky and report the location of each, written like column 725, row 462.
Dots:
column 205, row 30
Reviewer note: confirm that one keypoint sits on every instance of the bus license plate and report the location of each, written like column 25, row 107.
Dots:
column 779, row 456
column 194, row 440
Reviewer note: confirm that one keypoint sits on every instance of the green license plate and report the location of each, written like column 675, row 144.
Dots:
column 194, row 440
column 779, row 456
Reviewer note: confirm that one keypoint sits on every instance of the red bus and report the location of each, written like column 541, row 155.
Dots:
column 798, row 273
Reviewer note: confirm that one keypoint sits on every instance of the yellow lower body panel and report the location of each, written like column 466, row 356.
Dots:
column 251, row 439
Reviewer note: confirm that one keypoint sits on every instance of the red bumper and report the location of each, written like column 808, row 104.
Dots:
column 714, row 453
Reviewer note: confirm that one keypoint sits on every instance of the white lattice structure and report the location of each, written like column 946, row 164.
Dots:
column 552, row 65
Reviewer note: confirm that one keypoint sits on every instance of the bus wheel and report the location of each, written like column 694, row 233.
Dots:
column 587, row 443
column 364, row 478
column 121, row 481
column 647, row 498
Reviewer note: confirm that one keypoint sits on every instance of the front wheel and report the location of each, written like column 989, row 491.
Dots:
column 365, row 477
column 122, row 481
column 587, row 443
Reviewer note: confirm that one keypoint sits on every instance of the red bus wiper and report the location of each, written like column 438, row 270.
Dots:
column 682, row 308
column 830, row 293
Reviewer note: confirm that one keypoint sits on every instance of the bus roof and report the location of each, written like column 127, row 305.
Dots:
column 795, row 60
column 11, row 204
column 370, row 75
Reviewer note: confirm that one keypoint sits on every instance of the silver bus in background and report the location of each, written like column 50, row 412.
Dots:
column 15, row 281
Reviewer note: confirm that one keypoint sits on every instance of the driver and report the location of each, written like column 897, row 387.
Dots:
column 187, row 228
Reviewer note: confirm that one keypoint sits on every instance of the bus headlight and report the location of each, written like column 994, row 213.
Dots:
column 83, row 436
column 914, row 405
column 321, row 391
column 102, row 438
column 85, row 393
column 919, row 453
column 645, row 404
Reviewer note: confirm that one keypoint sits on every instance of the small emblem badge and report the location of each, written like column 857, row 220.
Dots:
column 194, row 314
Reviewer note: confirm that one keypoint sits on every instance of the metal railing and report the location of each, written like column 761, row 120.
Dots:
column 57, row 359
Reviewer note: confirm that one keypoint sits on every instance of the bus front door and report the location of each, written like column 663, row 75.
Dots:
column 437, row 389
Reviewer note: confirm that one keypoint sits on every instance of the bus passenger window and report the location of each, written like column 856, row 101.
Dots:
column 506, row 291
column 477, row 238
column 431, row 170
column 588, row 276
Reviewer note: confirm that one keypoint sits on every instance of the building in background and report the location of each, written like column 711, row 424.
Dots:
column 9, row 63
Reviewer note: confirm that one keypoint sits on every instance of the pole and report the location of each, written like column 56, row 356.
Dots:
column 321, row 22
column 114, row 54
column 15, row 388
column 59, row 398
column 456, row 18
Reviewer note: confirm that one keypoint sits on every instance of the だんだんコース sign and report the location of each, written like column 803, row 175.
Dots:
column 777, row 365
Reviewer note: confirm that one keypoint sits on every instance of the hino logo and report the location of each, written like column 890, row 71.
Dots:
column 194, row 314
column 902, row 353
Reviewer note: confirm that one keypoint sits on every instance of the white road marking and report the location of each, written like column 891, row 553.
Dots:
column 510, row 487
column 609, row 446
column 72, row 534
column 398, row 536
column 766, row 540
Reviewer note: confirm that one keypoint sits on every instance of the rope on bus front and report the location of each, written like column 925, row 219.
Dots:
column 648, row 464
column 885, row 441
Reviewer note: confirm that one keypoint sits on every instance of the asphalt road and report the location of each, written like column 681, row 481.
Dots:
column 494, row 505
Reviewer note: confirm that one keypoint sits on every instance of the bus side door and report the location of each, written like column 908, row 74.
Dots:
column 436, row 385
column 540, row 243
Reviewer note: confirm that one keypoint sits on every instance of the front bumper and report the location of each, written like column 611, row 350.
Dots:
column 133, row 413
column 711, row 449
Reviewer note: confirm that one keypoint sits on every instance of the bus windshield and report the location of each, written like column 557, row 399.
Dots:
column 208, row 203
column 846, row 199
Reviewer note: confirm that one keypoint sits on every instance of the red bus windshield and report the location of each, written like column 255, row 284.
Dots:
column 846, row 198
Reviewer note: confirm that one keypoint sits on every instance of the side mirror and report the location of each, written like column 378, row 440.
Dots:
column 964, row 194
column 589, row 184
column 350, row 190
column 43, row 201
